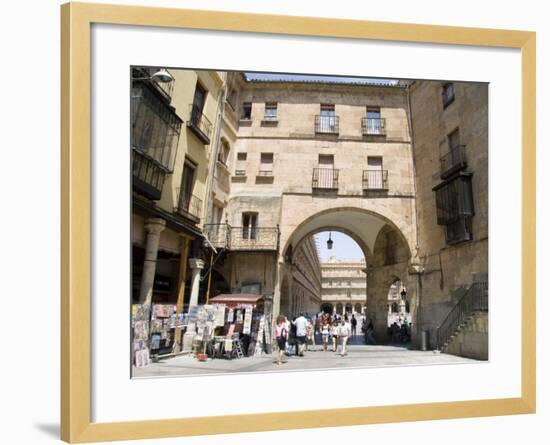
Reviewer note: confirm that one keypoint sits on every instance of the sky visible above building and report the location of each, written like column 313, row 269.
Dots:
column 343, row 247
column 315, row 78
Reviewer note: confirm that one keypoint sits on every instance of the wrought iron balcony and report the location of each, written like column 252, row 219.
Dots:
column 325, row 178
column 327, row 124
column 240, row 172
column 453, row 161
column 199, row 124
column 154, row 138
column 189, row 206
column 375, row 180
column 373, row 126
column 243, row 238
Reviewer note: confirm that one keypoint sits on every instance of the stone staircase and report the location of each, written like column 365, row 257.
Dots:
column 464, row 331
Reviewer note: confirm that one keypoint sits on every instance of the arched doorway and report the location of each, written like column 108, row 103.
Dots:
column 385, row 247
column 358, row 308
column 327, row 308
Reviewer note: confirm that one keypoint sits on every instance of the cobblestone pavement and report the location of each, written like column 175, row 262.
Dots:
column 359, row 356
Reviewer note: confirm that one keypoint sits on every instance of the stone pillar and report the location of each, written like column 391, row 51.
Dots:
column 153, row 227
column 196, row 265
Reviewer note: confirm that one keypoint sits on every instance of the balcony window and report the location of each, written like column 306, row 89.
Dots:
column 455, row 159
column 154, row 139
column 327, row 122
column 189, row 205
column 223, row 154
column 198, row 122
column 375, row 177
column 373, row 123
column 455, row 207
column 266, row 164
column 270, row 111
column 247, row 111
column 240, row 169
column 250, row 225
column 448, row 94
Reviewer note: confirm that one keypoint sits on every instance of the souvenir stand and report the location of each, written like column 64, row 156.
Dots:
column 247, row 324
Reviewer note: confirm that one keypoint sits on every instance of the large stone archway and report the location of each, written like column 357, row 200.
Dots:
column 386, row 247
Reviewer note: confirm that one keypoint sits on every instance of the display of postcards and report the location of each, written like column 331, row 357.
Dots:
column 219, row 315
column 139, row 344
column 239, row 315
column 230, row 315
column 142, row 358
column 155, row 341
column 140, row 330
column 193, row 313
column 247, row 320
column 156, row 325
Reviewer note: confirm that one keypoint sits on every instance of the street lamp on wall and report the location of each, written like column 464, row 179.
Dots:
column 329, row 241
column 162, row 76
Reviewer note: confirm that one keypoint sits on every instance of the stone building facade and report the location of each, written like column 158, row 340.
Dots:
column 344, row 289
column 399, row 167
column 173, row 128
column 450, row 131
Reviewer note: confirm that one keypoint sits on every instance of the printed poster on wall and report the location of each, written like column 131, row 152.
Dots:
column 247, row 320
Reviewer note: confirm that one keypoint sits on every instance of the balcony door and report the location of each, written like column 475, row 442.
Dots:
column 326, row 171
column 187, row 182
column 374, row 121
column 375, row 175
column 250, row 225
column 328, row 119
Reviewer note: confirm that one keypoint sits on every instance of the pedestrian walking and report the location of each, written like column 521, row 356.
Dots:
column 301, row 331
column 325, row 333
column 343, row 334
column 310, row 336
column 281, row 335
column 334, row 334
column 353, row 325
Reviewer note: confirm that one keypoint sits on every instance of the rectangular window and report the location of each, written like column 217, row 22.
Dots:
column 247, row 111
column 266, row 164
column 374, row 176
column 186, row 203
column 448, row 93
column 223, row 154
column 327, row 122
column 374, row 124
column 200, row 97
column 240, row 169
column 270, row 111
column 250, row 225
column 455, row 207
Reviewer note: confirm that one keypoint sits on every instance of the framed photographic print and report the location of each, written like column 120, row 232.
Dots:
column 285, row 205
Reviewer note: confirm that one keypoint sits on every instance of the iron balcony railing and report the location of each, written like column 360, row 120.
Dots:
column 476, row 299
column 199, row 124
column 155, row 133
column 327, row 124
column 373, row 126
column 147, row 175
column 240, row 172
column 265, row 172
column 243, row 238
column 453, row 161
column 375, row 180
column 325, row 178
column 189, row 206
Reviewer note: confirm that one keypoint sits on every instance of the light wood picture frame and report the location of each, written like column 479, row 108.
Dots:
column 76, row 21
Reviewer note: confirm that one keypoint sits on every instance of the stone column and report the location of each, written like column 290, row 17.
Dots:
column 196, row 265
column 153, row 227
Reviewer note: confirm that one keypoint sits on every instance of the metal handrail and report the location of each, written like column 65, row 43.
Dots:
column 373, row 126
column 475, row 299
column 223, row 235
column 325, row 178
column 199, row 121
column 327, row 124
column 375, row 179
column 188, row 205
column 453, row 161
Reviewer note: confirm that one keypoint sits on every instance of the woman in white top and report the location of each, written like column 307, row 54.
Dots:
column 334, row 333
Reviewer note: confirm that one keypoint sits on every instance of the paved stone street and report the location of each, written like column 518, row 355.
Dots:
column 359, row 356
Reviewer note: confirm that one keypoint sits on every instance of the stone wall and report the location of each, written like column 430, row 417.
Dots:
column 473, row 340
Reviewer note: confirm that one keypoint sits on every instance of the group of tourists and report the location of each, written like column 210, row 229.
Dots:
column 400, row 333
column 297, row 335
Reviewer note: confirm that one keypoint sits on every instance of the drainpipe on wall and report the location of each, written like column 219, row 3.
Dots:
column 417, row 247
